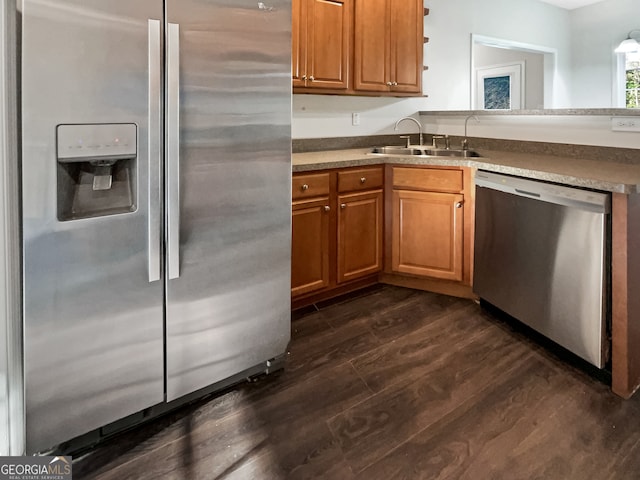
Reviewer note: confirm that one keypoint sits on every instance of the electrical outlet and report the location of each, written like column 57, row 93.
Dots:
column 355, row 119
column 625, row 124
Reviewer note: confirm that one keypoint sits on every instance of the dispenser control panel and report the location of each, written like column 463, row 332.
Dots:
column 83, row 141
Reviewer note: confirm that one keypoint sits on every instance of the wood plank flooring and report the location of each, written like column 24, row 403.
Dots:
column 393, row 384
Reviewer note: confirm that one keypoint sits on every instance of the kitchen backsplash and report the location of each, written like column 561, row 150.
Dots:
column 613, row 154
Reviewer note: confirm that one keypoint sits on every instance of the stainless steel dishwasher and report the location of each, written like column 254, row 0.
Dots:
column 541, row 255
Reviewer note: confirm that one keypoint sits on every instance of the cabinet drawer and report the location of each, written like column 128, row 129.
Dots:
column 360, row 179
column 432, row 179
column 308, row 186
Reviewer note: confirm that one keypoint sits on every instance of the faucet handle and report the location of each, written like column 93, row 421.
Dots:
column 408, row 138
column 434, row 140
column 447, row 142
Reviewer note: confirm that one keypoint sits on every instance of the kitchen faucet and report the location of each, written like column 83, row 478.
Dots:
column 413, row 120
column 465, row 140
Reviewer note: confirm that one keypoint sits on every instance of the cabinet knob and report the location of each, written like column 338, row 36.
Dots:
column 389, row 84
column 311, row 78
column 343, row 206
column 327, row 208
column 363, row 179
column 304, row 77
column 395, row 84
column 458, row 205
column 305, row 187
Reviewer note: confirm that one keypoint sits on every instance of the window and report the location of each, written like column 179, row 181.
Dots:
column 632, row 80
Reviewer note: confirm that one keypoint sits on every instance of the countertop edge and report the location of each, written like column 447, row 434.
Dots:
column 314, row 161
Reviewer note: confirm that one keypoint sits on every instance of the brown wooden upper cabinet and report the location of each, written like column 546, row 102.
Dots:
column 370, row 47
column 388, row 45
column 322, row 31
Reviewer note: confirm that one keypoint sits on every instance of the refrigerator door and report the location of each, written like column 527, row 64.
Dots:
column 228, row 300
column 11, row 386
column 93, row 299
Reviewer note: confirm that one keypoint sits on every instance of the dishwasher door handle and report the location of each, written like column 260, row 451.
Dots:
column 531, row 194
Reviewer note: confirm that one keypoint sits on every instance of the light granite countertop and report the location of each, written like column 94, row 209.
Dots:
column 599, row 175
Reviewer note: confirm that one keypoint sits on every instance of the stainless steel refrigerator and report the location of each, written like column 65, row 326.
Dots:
column 156, row 214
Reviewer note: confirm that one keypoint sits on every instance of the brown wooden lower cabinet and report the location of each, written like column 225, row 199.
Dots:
column 427, row 236
column 359, row 235
column 340, row 242
column 309, row 246
column 429, row 228
column 337, row 239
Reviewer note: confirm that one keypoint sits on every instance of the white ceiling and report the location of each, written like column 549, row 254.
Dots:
column 571, row 4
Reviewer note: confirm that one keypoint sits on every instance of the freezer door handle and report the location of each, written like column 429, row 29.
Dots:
column 173, row 150
column 155, row 150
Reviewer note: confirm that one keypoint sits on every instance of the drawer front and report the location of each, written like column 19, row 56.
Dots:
column 360, row 179
column 309, row 186
column 431, row 179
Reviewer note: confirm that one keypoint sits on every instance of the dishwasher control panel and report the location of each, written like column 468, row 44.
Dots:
column 599, row 202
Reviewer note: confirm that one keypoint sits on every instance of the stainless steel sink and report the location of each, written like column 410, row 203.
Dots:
column 424, row 151
column 398, row 150
column 441, row 152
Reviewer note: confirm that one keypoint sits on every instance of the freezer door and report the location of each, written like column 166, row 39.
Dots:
column 229, row 210
column 93, row 329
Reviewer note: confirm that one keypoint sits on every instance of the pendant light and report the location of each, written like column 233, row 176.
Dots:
column 629, row 45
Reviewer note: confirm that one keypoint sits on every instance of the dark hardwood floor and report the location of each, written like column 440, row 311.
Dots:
column 393, row 384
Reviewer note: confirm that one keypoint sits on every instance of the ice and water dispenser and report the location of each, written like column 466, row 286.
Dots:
column 97, row 165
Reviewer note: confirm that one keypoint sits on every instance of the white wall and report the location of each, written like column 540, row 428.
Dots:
column 596, row 30
column 448, row 53
column 573, row 129
column 317, row 116
column 320, row 116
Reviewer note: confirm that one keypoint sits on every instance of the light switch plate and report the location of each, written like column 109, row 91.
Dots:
column 625, row 124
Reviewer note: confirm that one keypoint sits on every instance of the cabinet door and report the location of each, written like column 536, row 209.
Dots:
column 407, row 39
column 371, row 55
column 359, row 235
column 428, row 234
column 328, row 43
column 298, row 42
column 310, row 246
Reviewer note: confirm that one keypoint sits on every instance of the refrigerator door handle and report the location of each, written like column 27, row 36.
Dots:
column 154, row 149
column 173, row 150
